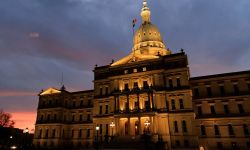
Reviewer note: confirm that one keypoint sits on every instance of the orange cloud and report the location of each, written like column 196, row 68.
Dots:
column 24, row 120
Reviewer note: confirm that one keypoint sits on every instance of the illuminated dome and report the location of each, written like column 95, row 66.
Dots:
column 147, row 39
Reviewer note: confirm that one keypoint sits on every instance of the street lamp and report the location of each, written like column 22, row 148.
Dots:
column 97, row 128
column 112, row 125
column 147, row 124
column 26, row 130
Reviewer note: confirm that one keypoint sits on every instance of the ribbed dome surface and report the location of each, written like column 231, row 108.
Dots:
column 147, row 32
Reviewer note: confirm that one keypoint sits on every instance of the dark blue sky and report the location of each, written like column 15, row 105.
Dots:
column 40, row 39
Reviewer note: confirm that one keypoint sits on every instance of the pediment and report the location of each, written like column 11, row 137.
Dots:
column 50, row 91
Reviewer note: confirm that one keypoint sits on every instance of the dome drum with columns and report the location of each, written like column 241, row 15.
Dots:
column 148, row 43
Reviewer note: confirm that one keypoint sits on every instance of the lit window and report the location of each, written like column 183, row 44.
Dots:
column 144, row 69
column 125, row 71
column 135, row 70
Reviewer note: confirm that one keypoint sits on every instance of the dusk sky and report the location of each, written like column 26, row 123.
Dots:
column 40, row 39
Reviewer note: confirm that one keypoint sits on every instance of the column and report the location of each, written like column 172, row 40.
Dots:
column 127, row 105
column 151, row 125
column 118, row 101
column 149, row 99
column 152, row 100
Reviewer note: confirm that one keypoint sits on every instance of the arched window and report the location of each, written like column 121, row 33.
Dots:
column 184, row 126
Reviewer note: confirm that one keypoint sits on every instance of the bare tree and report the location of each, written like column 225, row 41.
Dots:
column 5, row 119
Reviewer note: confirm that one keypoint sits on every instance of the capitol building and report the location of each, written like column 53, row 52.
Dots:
column 147, row 100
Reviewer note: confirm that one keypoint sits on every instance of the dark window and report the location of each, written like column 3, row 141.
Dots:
column 88, row 133
column 177, row 143
column 100, row 129
column 245, row 128
column 230, row 129
column 80, row 117
column 74, row 103
column 178, row 82
column 222, row 90
column 199, row 110
column 184, row 126
column 126, row 86
column 100, row 109
column 54, row 133
column 196, row 92
column 73, row 118
column 167, row 104
column 203, row 130
column 173, row 104
column 219, row 145
column 248, row 84
column 107, row 90
column 181, row 104
column 40, row 133
column 41, row 118
column 50, row 102
column 63, row 133
column 209, row 92
column 101, row 91
column 226, row 110
column 106, row 109
column 212, row 109
column 135, row 84
column 89, row 102
column 240, row 107
column 176, row 127
column 72, row 133
column 216, row 130
column 80, row 133
column 81, row 103
column 170, row 82
column 248, row 145
column 236, row 89
column 186, row 143
column 47, row 133
column 145, row 84
column 88, row 117
column 107, row 129
column 64, row 117
column 55, row 117
column 48, row 116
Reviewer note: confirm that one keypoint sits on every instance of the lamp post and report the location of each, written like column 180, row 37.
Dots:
column 97, row 128
column 147, row 124
column 112, row 125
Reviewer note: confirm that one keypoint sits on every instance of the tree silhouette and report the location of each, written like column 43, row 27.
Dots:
column 5, row 119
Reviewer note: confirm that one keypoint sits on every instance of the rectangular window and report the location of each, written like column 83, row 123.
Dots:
column 80, row 133
column 107, row 129
column 55, row 117
column 178, row 82
column 106, row 109
column 89, row 102
column 209, row 92
column 230, row 129
column 241, row 109
column 248, row 84
column 203, row 130
column 176, row 127
column 73, row 118
column 173, row 104
column 107, row 90
column 72, row 133
column 74, row 103
column 248, row 145
column 216, row 130
column 47, row 133
column 100, row 91
column 100, row 109
column 126, row 86
column 48, row 117
column 226, row 110
column 135, row 84
column 88, row 117
column 177, row 143
column 234, row 145
column 81, row 103
column 196, row 92
column 212, row 109
column 222, row 90
column 145, row 84
column 100, row 129
column 88, row 133
column 245, row 129
column 170, row 82
column 186, row 143
column 184, row 126
column 181, row 104
column 80, row 117
column 219, row 145
column 199, row 110
column 54, row 133
column 236, row 89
